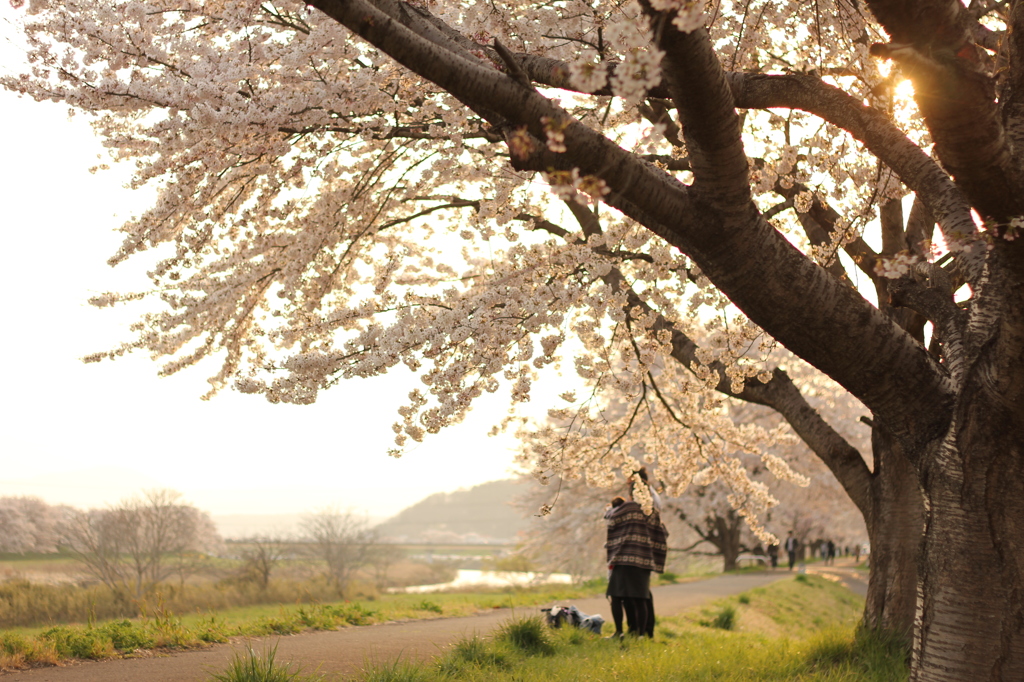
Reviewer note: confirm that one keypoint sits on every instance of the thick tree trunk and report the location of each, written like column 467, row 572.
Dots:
column 971, row 605
column 728, row 529
column 970, row 615
column 729, row 556
column 895, row 529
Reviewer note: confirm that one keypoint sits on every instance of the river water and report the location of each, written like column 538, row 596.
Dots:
column 467, row 578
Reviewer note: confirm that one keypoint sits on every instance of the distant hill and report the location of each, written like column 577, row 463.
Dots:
column 481, row 514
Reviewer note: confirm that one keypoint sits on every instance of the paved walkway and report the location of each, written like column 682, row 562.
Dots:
column 348, row 650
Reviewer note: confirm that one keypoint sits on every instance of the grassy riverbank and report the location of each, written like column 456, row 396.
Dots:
column 162, row 629
column 800, row 630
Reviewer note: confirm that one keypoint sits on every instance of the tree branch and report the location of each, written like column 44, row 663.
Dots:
column 755, row 266
column 933, row 43
column 711, row 126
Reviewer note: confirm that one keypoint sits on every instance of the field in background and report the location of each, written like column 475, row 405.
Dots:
column 47, row 590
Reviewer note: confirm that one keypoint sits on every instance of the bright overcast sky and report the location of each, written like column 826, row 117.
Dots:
column 89, row 435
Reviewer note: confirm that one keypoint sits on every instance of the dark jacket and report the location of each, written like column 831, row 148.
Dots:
column 635, row 538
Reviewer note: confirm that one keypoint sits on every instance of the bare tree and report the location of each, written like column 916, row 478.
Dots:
column 260, row 555
column 381, row 557
column 342, row 541
column 141, row 541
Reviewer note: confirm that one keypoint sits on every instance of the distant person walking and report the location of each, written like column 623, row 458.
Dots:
column 773, row 554
column 792, row 547
column 830, row 556
column 636, row 545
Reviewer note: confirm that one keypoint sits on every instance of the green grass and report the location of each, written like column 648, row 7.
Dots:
column 724, row 619
column 162, row 628
column 528, row 636
column 471, row 652
column 769, row 642
column 791, row 631
column 394, row 671
column 261, row 666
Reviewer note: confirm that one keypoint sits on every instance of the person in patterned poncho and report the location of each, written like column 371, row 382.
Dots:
column 636, row 545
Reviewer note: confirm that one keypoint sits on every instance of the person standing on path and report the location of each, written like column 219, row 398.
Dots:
column 659, row 535
column 636, row 545
column 792, row 546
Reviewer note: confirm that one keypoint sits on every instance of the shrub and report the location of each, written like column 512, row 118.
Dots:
column 125, row 635
column 353, row 613
column 527, row 635
column 319, row 617
column 13, row 651
column 723, row 620
column 282, row 625
column 211, row 631
column 13, row 643
column 168, row 631
column 71, row 642
column 668, row 577
column 16, row 650
column 743, row 599
column 802, row 578
column 427, row 605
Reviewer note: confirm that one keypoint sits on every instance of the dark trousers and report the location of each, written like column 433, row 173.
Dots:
column 639, row 615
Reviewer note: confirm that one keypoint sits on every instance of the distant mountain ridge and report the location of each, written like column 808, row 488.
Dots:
column 481, row 514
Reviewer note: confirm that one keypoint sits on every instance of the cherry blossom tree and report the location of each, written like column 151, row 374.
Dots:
column 480, row 191
column 28, row 524
column 705, row 518
column 819, row 510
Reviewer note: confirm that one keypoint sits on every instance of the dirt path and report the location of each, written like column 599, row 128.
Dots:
column 345, row 652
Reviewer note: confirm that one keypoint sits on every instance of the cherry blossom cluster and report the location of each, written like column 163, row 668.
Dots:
column 323, row 214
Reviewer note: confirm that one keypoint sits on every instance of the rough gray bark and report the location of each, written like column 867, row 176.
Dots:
column 895, row 524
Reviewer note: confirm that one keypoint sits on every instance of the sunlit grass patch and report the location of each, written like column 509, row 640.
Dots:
column 698, row 655
column 470, row 653
column 526, row 635
column 261, row 666
column 396, row 671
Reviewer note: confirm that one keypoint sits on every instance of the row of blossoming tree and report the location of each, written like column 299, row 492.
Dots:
column 480, row 190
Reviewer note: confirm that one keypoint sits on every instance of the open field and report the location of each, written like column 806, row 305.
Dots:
column 39, row 591
column 47, row 590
